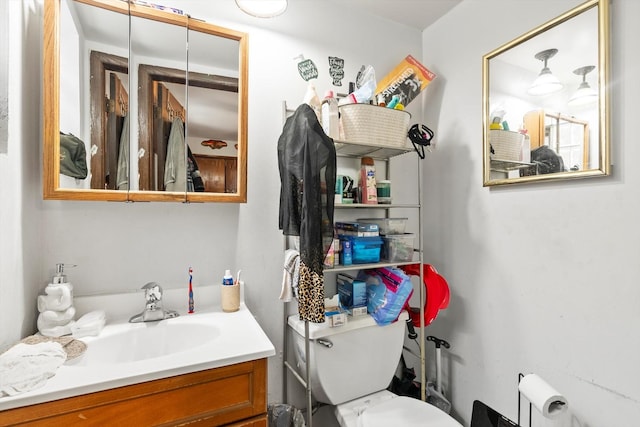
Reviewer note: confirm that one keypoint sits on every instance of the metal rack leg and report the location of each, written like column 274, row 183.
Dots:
column 308, row 375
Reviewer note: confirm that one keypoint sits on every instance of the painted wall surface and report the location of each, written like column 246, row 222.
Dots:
column 20, row 176
column 544, row 277
column 118, row 247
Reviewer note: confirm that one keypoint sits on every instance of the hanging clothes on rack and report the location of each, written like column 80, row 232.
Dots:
column 194, row 179
column 175, row 167
column 122, row 175
column 307, row 164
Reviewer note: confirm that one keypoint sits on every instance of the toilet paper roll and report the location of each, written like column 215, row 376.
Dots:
column 544, row 397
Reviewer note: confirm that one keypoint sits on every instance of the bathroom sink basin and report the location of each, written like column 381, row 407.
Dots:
column 144, row 341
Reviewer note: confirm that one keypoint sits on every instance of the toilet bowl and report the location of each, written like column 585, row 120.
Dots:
column 351, row 367
column 384, row 409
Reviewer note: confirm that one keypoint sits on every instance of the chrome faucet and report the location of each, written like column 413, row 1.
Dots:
column 153, row 310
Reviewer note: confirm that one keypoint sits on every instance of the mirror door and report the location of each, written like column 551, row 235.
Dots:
column 159, row 58
column 84, row 113
column 217, row 101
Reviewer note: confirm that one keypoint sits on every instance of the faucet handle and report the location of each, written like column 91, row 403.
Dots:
column 152, row 292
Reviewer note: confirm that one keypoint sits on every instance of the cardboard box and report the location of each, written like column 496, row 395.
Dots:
column 407, row 80
column 334, row 316
column 357, row 311
column 357, row 229
column 352, row 292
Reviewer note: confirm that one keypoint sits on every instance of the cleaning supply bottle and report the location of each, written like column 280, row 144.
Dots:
column 311, row 98
column 368, row 191
column 330, row 115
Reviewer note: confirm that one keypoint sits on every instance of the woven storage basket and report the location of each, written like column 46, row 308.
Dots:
column 507, row 145
column 374, row 125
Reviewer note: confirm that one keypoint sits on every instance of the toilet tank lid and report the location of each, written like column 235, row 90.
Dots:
column 320, row 330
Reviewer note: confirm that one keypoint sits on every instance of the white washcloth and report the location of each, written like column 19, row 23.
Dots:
column 89, row 324
column 25, row 367
column 291, row 275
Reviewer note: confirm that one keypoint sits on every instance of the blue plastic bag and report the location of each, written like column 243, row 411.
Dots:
column 388, row 289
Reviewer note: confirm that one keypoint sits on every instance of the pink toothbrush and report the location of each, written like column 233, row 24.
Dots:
column 190, row 290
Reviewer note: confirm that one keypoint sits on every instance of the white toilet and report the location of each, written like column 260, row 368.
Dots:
column 351, row 367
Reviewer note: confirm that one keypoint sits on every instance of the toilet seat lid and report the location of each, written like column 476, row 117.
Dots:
column 406, row 411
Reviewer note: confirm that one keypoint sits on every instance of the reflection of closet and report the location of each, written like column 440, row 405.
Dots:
column 165, row 108
column 109, row 106
column 566, row 135
column 219, row 173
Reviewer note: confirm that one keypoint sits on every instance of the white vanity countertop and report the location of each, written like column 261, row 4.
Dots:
column 238, row 338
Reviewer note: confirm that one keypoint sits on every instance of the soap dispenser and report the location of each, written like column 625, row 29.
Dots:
column 56, row 306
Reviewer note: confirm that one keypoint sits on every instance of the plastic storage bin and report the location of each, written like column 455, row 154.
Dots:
column 364, row 249
column 398, row 247
column 387, row 225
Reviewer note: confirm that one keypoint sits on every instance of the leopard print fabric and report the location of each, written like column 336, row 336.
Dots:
column 310, row 295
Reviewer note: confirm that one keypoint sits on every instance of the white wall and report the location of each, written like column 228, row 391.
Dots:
column 544, row 277
column 121, row 246
column 20, row 176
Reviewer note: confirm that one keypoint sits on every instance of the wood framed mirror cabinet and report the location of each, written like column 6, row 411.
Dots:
column 142, row 103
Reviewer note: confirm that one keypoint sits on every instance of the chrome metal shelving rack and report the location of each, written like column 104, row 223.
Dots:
column 380, row 153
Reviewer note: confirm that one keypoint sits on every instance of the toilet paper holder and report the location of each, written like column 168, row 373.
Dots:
column 546, row 399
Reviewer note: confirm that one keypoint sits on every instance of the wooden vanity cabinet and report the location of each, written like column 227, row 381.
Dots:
column 234, row 395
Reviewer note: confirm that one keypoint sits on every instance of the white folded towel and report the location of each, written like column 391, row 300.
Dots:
column 290, row 275
column 26, row 367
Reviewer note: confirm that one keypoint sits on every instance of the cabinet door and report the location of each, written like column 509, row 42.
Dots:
column 218, row 173
column 231, row 175
column 229, row 395
column 534, row 124
column 212, row 171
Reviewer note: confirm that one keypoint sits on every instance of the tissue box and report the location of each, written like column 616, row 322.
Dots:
column 352, row 292
column 387, row 225
column 357, row 229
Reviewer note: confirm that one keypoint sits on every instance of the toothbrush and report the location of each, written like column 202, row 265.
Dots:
column 190, row 290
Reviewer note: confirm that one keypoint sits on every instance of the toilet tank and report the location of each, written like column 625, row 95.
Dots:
column 349, row 361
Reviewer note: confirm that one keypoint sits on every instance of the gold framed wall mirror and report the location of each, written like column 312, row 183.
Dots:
column 545, row 101
column 130, row 116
